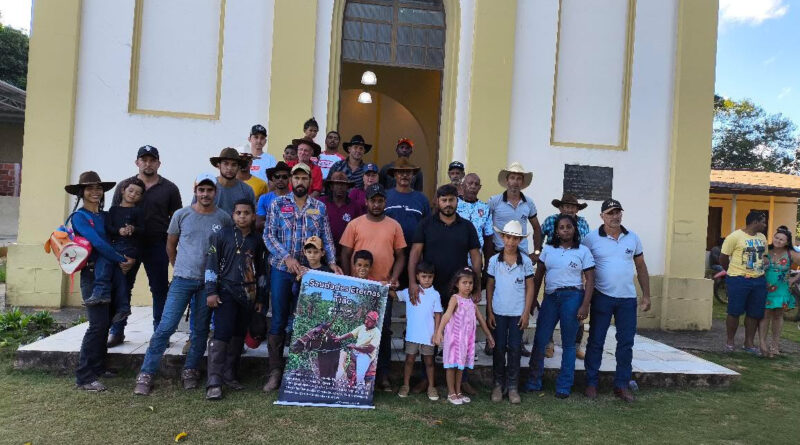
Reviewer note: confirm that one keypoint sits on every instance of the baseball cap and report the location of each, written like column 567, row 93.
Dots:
column 258, row 129
column 302, row 166
column 147, row 150
column 407, row 141
column 205, row 177
column 456, row 164
column 371, row 168
column 375, row 189
column 610, row 204
column 314, row 241
column 373, row 315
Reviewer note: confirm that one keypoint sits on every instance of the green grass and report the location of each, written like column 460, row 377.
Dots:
column 760, row 408
column 790, row 331
column 2, row 272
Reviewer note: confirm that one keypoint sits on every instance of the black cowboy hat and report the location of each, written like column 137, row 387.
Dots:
column 314, row 145
column 228, row 153
column 279, row 167
column 357, row 140
column 568, row 198
column 88, row 178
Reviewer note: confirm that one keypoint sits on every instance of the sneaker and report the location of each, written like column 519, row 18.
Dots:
column 497, row 394
column 144, row 384
column 464, row 398
column 454, row 399
column 214, row 393
column 190, row 378
column 403, row 392
column 95, row 386
column 433, row 394
column 513, row 397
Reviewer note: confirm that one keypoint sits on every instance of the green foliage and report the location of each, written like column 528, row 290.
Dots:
column 13, row 57
column 747, row 138
column 2, row 272
column 18, row 327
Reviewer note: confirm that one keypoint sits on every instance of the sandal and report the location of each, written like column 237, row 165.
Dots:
column 463, row 398
column 729, row 348
column 752, row 350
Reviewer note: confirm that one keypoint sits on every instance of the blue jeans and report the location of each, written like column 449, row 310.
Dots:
column 507, row 334
column 624, row 312
column 560, row 306
column 93, row 347
column 283, row 302
column 182, row 292
column 153, row 254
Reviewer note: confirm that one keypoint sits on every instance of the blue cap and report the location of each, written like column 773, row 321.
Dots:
column 371, row 168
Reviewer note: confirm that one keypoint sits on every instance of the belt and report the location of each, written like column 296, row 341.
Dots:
column 568, row 288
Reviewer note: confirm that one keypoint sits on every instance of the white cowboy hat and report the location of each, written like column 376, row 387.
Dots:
column 515, row 167
column 512, row 228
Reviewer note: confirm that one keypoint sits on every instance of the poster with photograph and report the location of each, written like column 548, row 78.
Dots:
column 333, row 351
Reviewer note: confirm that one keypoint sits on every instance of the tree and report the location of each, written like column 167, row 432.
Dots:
column 13, row 57
column 747, row 138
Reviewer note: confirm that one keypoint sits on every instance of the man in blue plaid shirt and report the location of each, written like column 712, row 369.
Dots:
column 291, row 220
column 567, row 205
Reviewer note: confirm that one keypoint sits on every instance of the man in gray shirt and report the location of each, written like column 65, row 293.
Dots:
column 187, row 241
column 229, row 188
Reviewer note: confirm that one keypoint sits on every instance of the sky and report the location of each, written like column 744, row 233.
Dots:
column 758, row 50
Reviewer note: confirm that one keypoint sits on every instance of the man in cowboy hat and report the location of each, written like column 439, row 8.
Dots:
column 258, row 185
column 353, row 166
column 229, row 188
column 514, row 205
column 293, row 219
column 404, row 204
column 306, row 153
column 161, row 199
column 341, row 210
column 279, row 178
column 405, row 147
column 255, row 146
column 330, row 155
column 567, row 205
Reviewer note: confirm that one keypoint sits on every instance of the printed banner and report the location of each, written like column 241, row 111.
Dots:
column 333, row 351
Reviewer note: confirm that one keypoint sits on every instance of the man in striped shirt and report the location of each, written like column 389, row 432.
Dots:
column 291, row 220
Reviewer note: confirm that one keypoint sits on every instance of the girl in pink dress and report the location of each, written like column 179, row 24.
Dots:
column 457, row 333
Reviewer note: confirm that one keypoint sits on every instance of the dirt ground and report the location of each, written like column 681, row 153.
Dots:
column 709, row 341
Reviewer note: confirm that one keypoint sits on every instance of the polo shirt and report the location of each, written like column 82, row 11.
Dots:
column 509, row 284
column 613, row 259
column 159, row 203
column 564, row 267
column 340, row 217
column 446, row 247
column 503, row 212
column 408, row 209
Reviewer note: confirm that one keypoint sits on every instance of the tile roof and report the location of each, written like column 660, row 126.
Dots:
column 755, row 182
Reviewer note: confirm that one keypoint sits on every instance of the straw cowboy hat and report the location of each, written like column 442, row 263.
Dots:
column 88, row 178
column 568, row 198
column 230, row 154
column 317, row 149
column 512, row 228
column 357, row 140
column 401, row 164
column 515, row 167
column 338, row 177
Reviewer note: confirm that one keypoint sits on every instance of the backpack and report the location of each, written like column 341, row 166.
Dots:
column 72, row 251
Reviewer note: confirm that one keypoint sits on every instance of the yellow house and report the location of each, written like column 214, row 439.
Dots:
column 734, row 193
column 600, row 97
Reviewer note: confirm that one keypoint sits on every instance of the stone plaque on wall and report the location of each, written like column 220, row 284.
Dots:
column 588, row 182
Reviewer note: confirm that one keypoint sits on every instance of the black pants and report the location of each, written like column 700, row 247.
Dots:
column 153, row 254
column 93, row 347
column 230, row 318
column 385, row 349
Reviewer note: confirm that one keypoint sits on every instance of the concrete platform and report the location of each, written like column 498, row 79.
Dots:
column 654, row 364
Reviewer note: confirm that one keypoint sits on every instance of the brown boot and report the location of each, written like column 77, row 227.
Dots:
column 190, row 378
column 144, row 384
column 624, row 394
column 232, row 363
column 275, row 351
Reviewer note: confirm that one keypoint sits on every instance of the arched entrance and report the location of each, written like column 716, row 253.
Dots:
column 412, row 47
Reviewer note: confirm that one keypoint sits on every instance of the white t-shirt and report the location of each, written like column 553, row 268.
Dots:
column 326, row 161
column 420, row 322
column 260, row 165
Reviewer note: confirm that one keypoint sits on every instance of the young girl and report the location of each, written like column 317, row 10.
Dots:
column 779, row 259
column 459, row 337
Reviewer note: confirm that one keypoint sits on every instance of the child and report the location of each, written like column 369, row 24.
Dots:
column 362, row 264
column 235, row 286
column 290, row 154
column 312, row 260
column 125, row 225
column 509, row 296
column 422, row 321
column 459, row 337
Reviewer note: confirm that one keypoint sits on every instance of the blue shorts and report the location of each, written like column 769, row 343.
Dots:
column 746, row 296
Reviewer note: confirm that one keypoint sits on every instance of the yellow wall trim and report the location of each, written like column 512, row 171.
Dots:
column 133, row 90
column 292, row 71
column 626, row 87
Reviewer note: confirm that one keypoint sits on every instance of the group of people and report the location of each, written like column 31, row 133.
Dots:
column 758, row 283
column 258, row 225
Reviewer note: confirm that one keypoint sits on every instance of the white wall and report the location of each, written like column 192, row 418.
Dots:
column 107, row 136
column 641, row 174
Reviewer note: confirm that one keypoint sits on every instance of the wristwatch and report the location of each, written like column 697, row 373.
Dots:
column 537, row 252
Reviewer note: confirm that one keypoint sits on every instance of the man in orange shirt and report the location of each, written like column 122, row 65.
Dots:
column 383, row 237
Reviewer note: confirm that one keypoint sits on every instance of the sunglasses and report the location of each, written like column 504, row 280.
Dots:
column 280, row 176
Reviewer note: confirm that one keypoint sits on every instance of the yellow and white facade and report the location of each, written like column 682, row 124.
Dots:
column 626, row 84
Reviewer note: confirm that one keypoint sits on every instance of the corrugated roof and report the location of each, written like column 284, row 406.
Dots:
column 755, row 182
column 12, row 103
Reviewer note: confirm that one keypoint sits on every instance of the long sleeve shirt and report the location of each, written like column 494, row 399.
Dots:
column 91, row 226
column 288, row 226
column 235, row 266
column 159, row 203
